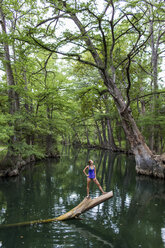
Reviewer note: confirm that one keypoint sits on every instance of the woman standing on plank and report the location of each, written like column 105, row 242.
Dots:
column 92, row 176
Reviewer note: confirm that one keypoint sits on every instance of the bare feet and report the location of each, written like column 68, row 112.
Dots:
column 104, row 193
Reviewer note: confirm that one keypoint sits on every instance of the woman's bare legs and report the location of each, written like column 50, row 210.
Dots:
column 99, row 186
column 88, row 182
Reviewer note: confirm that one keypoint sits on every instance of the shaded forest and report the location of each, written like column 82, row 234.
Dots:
column 85, row 74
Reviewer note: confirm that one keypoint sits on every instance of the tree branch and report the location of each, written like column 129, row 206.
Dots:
column 134, row 51
column 49, row 19
column 149, row 94
column 112, row 32
column 99, row 19
column 129, row 84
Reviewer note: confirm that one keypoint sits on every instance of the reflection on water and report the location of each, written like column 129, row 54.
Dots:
column 134, row 217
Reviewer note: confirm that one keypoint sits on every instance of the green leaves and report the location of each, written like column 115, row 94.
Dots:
column 68, row 99
column 6, row 130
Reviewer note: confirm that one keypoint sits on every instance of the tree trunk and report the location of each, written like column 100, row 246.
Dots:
column 155, row 136
column 7, row 65
column 119, row 132
column 111, row 141
column 87, row 134
column 145, row 162
column 10, row 158
column 50, row 151
column 84, row 206
column 103, row 124
column 74, row 213
column 77, row 139
column 99, row 134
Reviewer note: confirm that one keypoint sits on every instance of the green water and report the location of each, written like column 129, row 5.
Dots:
column 134, row 217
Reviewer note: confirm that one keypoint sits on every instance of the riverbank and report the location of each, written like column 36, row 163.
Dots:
column 13, row 166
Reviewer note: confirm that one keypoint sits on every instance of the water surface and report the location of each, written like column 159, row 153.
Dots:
column 134, row 217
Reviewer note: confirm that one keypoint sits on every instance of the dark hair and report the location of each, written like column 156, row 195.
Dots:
column 89, row 162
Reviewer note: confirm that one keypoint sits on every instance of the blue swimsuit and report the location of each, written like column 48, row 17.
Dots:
column 91, row 173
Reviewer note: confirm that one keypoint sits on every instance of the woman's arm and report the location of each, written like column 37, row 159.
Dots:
column 85, row 170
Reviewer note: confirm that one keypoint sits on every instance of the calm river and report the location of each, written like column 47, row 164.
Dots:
column 134, row 217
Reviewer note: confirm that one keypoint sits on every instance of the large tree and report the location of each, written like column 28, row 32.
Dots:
column 101, row 30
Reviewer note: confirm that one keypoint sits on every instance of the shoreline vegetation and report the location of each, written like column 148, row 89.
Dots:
column 95, row 80
column 10, row 167
column 13, row 165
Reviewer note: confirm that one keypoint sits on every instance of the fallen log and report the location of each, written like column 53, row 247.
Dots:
column 84, row 206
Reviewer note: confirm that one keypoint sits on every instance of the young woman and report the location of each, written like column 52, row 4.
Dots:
column 92, row 176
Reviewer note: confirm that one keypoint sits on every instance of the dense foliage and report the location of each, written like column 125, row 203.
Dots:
column 51, row 91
